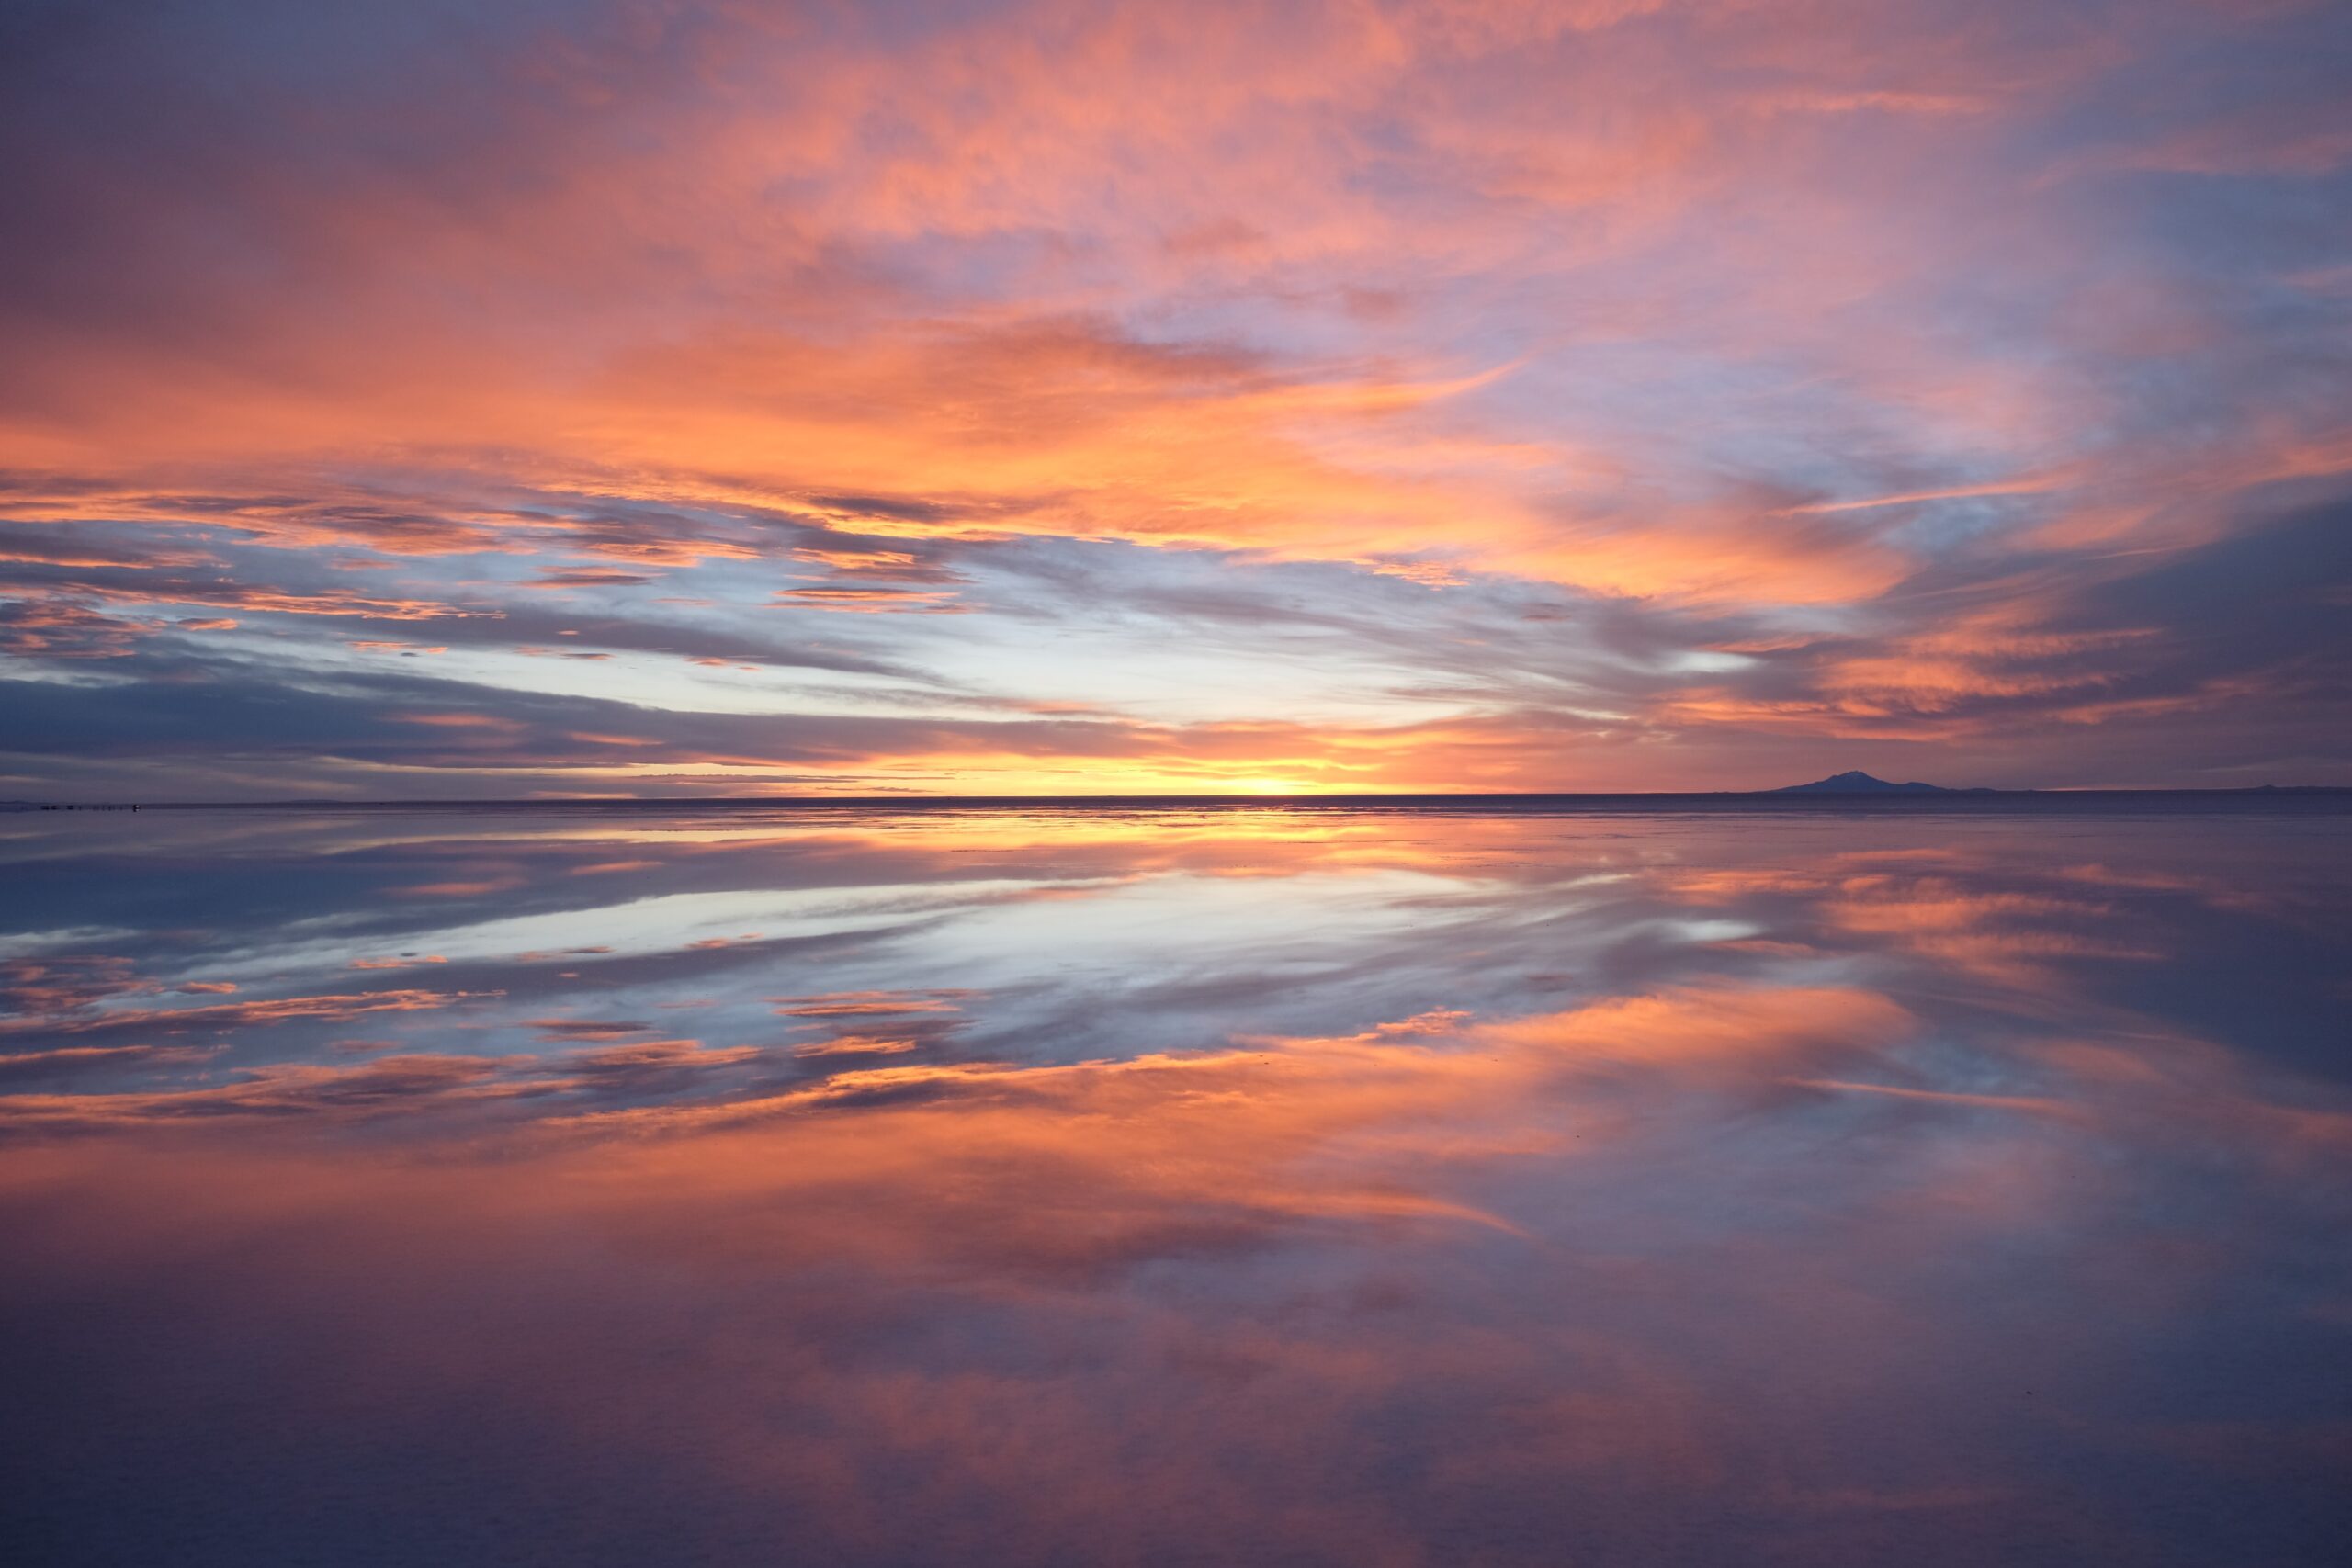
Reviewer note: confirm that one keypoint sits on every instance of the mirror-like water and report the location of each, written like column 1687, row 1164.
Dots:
column 1177, row 1187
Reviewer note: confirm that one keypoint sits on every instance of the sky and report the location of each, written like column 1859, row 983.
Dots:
column 589, row 398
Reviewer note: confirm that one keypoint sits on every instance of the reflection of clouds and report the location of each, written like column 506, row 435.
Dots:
column 864, row 1004
column 1997, row 935
column 57, row 984
column 1940, row 907
column 857, row 1045
column 386, row 1086
column 1265, row 1095
column 1670, row 1192
column 223, row 1017
column 931, row 929
column 75, row 1059
column 585, row 1029
column 652, row 1065
column 1498, row 1263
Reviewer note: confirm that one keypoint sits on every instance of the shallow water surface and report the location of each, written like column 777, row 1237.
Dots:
column 1123, row 1187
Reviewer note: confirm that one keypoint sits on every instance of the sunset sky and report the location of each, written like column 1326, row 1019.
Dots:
column 588, row 397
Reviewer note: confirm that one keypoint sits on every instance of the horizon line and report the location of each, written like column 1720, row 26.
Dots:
column 1788, row 793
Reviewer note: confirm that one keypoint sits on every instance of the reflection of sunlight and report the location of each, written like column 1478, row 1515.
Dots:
column 865, row 1145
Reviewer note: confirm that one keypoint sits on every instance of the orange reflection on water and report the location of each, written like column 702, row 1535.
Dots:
column 1676, row 1191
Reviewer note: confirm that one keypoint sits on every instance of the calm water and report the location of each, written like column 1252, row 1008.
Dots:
column 1177, row 1186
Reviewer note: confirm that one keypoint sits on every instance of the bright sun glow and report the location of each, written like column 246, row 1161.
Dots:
column 1016, row 397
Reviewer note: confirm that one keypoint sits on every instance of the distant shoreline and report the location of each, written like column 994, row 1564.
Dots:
column 2323, row 798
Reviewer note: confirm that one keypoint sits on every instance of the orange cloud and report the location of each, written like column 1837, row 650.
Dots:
column 1657, row 325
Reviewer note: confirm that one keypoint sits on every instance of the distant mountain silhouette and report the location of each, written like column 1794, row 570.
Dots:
column 1858, row 782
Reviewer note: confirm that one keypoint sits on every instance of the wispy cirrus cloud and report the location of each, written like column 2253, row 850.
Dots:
column 1711, row 400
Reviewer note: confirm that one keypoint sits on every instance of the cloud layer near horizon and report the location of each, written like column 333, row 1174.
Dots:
column 603, row 397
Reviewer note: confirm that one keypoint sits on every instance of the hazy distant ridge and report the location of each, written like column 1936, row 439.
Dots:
column 1858, row 782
